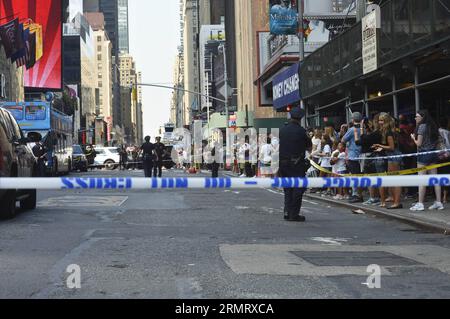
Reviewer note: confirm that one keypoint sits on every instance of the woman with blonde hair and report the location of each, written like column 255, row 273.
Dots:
column 389, row 145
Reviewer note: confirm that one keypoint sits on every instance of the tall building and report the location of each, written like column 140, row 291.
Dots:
column 110, row 9
column 128, row 114
column 79, row 71
column 177, row 106
column 139, row 112
column 191, row 59
column 124, row 41
column 103, row 54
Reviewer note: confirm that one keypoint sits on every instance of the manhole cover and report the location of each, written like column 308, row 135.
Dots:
column 363, row 259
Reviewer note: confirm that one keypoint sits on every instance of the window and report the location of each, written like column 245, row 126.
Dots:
column 35, row 113
column 99, row 39
column 99, row 48
column 99, row 57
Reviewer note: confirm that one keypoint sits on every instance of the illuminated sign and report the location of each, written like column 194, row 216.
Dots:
column 47, row 72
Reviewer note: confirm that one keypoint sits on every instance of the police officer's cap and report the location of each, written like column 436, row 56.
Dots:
column 297, row 113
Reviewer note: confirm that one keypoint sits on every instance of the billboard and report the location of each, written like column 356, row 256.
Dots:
column 46, row 73
column 283, row 17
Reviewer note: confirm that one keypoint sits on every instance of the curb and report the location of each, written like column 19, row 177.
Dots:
column 436, row 227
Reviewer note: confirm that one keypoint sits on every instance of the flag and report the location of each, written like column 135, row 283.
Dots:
column 31, row 54
column 11, row 37
column 20, row 54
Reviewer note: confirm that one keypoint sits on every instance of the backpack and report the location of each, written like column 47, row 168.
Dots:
column 38, row 150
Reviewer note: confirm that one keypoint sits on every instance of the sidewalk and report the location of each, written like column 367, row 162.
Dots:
column 436, row 221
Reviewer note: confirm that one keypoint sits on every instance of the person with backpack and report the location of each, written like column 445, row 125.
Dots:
column 40, row 152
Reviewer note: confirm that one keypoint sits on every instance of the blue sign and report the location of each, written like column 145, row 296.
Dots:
column 283, row 17
column 286, row 87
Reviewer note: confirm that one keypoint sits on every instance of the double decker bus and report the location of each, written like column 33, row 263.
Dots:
column 55, row 128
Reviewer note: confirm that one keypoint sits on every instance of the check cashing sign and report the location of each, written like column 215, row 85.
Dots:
column 369, row 41
column 286, row 87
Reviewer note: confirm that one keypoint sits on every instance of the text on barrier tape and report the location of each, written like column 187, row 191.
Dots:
column 127, row 184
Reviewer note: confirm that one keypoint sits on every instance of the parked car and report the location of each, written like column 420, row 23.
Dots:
column 79, row 160
column 16, row 160
column 107, row 157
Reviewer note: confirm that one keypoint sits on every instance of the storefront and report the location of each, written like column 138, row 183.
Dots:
column 411, row 68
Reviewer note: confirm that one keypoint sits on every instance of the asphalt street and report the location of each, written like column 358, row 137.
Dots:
column 211, row 244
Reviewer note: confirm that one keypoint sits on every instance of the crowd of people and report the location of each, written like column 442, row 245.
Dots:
column 382, row 145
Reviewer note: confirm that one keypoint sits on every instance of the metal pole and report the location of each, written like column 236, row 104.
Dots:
column 301, row 40
column 417, row 91
column 366, row 98
column 226, row 85
column 395, row 97
column 207, row 93
column 301, row 34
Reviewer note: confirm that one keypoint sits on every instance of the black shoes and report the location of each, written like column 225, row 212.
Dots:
column 355, row 200
column 299, row 219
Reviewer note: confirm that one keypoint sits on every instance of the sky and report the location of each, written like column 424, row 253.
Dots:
column 154, row 39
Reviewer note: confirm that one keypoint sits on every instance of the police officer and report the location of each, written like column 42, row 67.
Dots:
column 40, row 152
column 160, row 150
column 147, row 153
column 215, row 166
column 294, row 143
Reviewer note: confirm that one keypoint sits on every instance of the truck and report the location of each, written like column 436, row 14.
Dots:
column 168, row 140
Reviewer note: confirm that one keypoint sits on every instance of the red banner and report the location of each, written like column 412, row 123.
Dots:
column 47, row 72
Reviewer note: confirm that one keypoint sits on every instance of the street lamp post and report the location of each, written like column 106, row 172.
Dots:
column 225, row 74
column 301, row 40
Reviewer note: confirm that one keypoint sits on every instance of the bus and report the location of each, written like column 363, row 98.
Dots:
column 55, row 128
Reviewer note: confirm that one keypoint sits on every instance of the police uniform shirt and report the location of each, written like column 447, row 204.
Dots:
column 159, row 150
column 147, row 148
column 294, row 142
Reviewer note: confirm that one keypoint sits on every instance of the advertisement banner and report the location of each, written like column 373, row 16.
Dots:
column 286, row 88
column 283, row 17
column 46, row 73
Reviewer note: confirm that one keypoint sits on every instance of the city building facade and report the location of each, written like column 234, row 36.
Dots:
column 103, row 54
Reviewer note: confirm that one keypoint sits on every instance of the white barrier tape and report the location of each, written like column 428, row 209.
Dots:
column 127, row 183
column 389, row 157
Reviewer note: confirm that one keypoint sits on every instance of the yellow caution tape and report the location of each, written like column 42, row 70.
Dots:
column 410, row 171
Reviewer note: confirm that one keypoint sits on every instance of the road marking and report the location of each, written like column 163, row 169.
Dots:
column 310, row 202
column 331, row 241
column 83, row 201
column 274, row 192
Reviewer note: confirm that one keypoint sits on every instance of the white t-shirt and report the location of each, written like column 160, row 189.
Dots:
column 317, row 145
column 266, row 153
column 325, row 162
column 340, row 164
